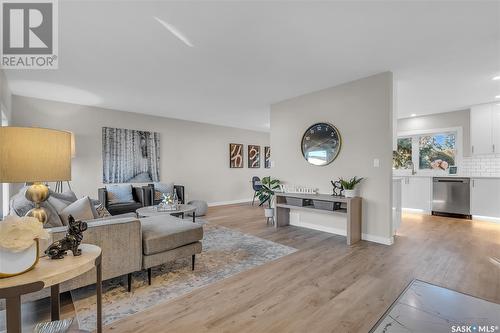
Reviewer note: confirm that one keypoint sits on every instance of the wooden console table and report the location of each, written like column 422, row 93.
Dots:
column 50, row 273
column 321, row 203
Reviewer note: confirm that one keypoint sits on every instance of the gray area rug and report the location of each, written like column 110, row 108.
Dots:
column 226, row 252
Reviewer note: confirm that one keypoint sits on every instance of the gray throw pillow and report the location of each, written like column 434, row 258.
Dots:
column 164, row 188
column 119, row 194
column 81, row 209
column 19, row 205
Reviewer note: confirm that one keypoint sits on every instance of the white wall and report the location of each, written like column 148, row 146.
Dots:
column 192, row 154
column 441, row 120
column 362, row 111
column 5, row 106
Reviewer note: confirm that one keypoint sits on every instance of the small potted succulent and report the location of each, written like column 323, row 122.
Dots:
column 349, row 186
column 266, row 194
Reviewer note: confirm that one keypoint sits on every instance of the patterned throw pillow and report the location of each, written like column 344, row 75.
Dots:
column 102, row 211
column 158, row 195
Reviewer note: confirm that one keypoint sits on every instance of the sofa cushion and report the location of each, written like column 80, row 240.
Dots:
column 164, row 232
column 61, row 200
column 163, row 188
column 117, row 194
column 19, row 205
column 81, row 209
column 123, row 208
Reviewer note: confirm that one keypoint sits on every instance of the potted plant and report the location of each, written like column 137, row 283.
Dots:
column 349, row 186
column 266, row 194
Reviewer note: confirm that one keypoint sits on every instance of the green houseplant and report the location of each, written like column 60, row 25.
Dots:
column 349, row 186
column 266, row 194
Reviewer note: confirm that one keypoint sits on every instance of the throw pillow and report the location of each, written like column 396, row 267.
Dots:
column 80, row 210
column 119, row 194
column 101, row 211
column 163, row 188
column 19, row 205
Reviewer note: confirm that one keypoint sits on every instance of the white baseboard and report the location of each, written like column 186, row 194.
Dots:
column 330, row 230
column 486, row 218
column 415, row 210
column 378, row 239
column 342, row 232
column 231, row 202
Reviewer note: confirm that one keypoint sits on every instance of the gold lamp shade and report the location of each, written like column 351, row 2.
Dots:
column 34, row 155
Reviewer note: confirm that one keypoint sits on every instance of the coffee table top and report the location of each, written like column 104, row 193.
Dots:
column 152, row 210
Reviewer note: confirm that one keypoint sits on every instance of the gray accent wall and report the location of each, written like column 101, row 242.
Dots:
column 441, row 120
column 362, row 112
column 192, row 154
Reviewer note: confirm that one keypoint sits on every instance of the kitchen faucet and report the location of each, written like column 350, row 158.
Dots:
column 409, row 165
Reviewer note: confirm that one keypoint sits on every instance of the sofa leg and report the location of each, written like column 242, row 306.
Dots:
column 129, row 278
column 193, row 257
column 149, row 275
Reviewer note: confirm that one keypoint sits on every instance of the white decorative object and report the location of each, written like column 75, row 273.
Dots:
column 350, row 193
column 269, row 212
column 298, row 189
column 19, row 244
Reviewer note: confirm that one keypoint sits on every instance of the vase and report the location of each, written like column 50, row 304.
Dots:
column 350, row 193
column 269, row 212
column 15, row 263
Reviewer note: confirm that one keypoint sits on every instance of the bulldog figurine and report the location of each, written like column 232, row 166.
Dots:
column 70, row 242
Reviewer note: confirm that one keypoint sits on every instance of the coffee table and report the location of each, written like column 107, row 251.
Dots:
column 181, row 210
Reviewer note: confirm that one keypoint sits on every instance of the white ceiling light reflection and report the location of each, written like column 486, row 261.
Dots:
column 53, row 92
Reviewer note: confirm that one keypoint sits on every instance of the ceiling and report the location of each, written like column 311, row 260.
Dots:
column 248, row 55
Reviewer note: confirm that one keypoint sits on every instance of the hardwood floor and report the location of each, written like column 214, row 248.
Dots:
column 327, row 286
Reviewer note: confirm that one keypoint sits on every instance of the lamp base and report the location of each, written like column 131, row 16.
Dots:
column 37, row 193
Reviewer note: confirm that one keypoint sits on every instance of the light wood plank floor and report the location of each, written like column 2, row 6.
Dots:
column 326, row 286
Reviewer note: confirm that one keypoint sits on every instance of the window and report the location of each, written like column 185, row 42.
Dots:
column 403, row 156
column 433, row 150
column 437, row 151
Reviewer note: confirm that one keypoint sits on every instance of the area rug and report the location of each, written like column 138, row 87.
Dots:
column 226, row 252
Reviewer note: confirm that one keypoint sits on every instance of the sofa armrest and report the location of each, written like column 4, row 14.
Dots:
column 102, row 196
column 121, row 243
column 139, row 195
column 180, row 193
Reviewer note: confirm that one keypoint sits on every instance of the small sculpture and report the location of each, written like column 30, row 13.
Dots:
column 337, row 188
column 70, row 242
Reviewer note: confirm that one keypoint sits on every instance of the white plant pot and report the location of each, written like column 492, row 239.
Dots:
column 269, row 212
column 350, row 193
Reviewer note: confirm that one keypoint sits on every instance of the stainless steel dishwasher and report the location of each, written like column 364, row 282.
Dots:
column 451, row 197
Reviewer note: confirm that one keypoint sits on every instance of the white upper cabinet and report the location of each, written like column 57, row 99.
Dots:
column 495, row 110
column 481, row 129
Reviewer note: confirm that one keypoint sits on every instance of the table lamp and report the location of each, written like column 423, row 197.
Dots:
column 35, row 155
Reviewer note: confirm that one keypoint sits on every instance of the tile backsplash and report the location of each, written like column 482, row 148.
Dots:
column 486, row 165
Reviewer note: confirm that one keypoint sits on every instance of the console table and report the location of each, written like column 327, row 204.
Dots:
column 50, row 273
column 321, row 203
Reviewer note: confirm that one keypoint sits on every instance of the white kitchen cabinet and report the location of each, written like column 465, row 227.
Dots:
column 495, row 111
column 481, row 129
column 417, row 193
column 485, row 197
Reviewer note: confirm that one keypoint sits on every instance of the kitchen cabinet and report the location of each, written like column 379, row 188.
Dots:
column 485, row 197
column 416, row 193
column 481, row 129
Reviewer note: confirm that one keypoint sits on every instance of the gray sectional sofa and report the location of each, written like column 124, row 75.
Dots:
column 130, row 244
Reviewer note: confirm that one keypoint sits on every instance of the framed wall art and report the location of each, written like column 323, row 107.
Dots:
column 235, row 155
column 253, row 156
column 267, row 157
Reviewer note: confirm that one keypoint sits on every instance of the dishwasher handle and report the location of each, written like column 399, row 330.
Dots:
column 448, row 180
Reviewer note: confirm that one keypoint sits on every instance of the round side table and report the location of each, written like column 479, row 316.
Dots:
column 50, row 273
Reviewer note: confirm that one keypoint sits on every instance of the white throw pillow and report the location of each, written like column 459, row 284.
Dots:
column 119, row 194
column 81, row 209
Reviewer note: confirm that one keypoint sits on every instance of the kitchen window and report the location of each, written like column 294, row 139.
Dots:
column 433, row 150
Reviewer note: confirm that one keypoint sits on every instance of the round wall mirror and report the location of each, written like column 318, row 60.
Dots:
column 321, row 144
